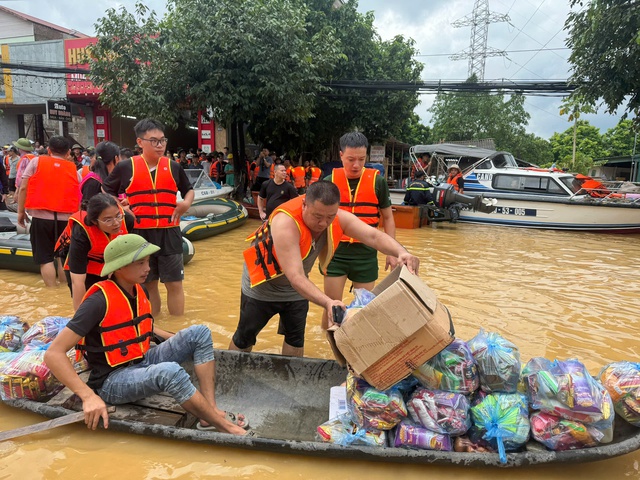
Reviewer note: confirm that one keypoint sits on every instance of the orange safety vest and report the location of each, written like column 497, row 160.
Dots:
column 272, row 170
column 364, row 204
column 85, row 170
column 454, row 181
column 27, row 157
column 314, row 174
column 262, row 259
column 298, row 174
column 99, row 241
column 152, row 201
column 124, row 336
column 54, row 186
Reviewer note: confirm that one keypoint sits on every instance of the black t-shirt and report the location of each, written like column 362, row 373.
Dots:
column 88, row 316
column 276, row 194
column 91, row 188
column 168, row 239
column 79, row 251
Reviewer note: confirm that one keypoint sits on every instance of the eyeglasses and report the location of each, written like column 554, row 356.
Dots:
column 111, row 221
column 156, row 142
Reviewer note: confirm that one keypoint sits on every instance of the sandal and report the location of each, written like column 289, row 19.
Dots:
column 233, row 418
column 210, row 428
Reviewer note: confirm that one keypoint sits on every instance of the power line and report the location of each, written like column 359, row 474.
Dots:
column 505, row 51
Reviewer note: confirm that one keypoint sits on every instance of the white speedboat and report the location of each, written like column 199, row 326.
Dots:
column 533, row 197
column 204, row 188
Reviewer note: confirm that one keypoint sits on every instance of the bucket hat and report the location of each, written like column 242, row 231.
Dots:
column 23, row 144
column 124, row 250
column 75, row 145
column 456, row 166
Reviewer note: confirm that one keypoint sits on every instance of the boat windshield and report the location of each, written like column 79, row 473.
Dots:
column 198, row 179
column 572, row 183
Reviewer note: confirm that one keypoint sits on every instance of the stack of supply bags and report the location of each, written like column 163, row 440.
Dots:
column 476, row 396
column 23, row 373
column 575, row 410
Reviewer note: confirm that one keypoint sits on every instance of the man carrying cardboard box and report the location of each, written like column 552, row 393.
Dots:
column 282, row 253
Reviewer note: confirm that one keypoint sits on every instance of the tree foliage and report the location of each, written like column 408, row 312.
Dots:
column 257, row 62
column 604, row 37
column 471, row 115
column 588, row 142
column 619, row 140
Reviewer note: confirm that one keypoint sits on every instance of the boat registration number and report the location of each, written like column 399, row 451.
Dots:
column 521, row 212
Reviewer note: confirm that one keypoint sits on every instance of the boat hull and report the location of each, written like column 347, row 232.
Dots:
column 16, row 254
column 547, row 212
column 286, row 398
column 215, row 217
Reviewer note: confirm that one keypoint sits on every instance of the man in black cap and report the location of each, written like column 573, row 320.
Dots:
column 418, row 192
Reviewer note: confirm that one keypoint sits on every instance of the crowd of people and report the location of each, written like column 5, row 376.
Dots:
column 112, row 219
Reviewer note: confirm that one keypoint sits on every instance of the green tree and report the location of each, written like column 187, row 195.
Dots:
column 619, row 139
column 589, row 145
column 477, row 115
column 414, row 132
column 604, row 37
column 533, row 149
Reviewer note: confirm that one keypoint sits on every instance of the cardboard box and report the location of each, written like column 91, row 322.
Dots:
column 399, row 330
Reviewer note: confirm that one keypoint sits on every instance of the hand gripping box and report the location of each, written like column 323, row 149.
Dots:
column 399, row 330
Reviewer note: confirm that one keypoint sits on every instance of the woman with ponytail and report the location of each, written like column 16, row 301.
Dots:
column 107, row 155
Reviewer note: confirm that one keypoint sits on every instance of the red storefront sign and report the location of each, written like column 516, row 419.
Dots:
column 76, row 56
column 206, row 131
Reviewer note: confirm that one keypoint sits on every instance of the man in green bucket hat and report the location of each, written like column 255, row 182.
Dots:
column 113, row 328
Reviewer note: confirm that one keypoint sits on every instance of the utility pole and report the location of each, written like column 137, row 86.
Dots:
column 478, row 50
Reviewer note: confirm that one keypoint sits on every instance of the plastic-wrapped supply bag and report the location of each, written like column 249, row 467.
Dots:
column 453, row 370
column 342, row 431
column 362, row 297
column 502, row 419
column 374, row 409
column 45, row 330
column 566, row 389
column 11, row 333
column 27, row 376
column 414, row 436
column 6, row 358
column 441, row 412
column 622, row 381
column 498, row 362
column 559, row 434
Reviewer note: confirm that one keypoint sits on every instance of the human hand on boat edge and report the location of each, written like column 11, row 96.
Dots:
column 94, row 408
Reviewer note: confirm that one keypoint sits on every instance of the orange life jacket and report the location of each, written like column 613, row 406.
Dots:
column 27, row 157
column 99, row 241
column 152, row 201
column 414, row 168
column 125, row 336
column 85, row 170
column 7, row 164
column 314, row 174
column 54, row 186
column 272, row 170
column 454, row 181
column 262, row 259
column 364, row 204
column 298, row 174
column 595, row 188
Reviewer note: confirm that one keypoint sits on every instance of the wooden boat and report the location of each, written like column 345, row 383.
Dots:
column 16, row 254
column 285, row 399
column 211, row 218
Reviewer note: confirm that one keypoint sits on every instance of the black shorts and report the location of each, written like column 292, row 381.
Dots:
column 44, row 235
column 167, row 268
column 255, row 314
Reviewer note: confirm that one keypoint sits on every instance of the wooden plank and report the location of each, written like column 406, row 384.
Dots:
column 160, row 401
column 48, row 425
column 152, row 416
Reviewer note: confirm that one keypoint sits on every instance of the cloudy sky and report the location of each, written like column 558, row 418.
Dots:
column 533, row 39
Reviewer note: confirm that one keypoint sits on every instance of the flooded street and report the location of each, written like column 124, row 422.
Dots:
column 554, row 294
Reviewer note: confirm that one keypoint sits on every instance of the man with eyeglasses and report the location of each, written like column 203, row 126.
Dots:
column 151, row 181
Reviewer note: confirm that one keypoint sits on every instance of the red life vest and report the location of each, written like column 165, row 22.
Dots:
column 152, row 201
column 99, row 241
column 54, row 186
column 454, row 181
column 262, row 259
column 364, row 204
column 298, row 174
column 314, row 174
column 414, row 168
column 125, row 336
